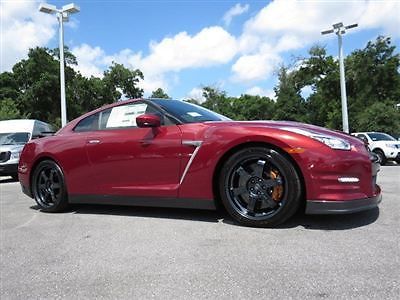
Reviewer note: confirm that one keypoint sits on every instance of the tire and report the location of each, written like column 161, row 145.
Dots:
column 48, row 187
column 259, row 187
column 381, row 157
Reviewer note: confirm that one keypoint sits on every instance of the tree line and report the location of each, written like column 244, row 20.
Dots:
column 31, row 90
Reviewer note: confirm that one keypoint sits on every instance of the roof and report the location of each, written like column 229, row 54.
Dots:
column 22, row 125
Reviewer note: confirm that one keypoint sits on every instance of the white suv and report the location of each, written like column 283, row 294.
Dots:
column 14, row 134
column 383, row 145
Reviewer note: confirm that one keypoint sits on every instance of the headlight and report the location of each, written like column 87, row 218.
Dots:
column 390, row 146
column 331, row 141
column 15, row 155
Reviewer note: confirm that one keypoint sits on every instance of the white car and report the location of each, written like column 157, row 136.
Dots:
column 14, row 134
column 383, row 145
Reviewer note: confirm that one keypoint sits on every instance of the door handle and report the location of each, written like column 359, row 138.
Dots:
column 94, row 141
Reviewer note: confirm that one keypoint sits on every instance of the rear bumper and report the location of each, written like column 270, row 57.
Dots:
column 321, row 207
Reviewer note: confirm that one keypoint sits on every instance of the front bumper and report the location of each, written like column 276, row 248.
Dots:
column 321, row 207
column 8, row 169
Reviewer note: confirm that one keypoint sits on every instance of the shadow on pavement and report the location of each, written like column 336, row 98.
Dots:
column 333, row 222
column 7, row 180
column 313, row 222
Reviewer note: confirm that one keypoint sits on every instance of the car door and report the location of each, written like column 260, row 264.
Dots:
column 130, row 161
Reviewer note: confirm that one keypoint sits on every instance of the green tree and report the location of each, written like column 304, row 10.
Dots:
column 249, row 107
column 217, row 101
column 9, row 110
column 37, row 78
column 159, row 93
column 119, row 77
column 289, row 104
column 380, row 117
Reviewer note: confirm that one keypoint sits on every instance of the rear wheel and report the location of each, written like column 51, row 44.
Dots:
column 48, row 187
column 259, row 187
column 381, row 156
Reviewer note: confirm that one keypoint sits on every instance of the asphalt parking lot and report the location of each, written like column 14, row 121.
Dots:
column 139, row 253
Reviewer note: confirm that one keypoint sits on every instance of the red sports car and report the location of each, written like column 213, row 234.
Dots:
column 175, row 154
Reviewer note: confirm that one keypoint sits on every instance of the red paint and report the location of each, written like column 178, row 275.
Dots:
column 150, row 161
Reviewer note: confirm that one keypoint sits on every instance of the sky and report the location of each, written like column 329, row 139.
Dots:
column 181, row 46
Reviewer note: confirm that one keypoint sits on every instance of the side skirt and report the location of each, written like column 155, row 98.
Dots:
column 143, row 201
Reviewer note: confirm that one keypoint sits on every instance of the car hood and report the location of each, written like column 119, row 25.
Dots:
column 298, row 127
column 13, row 148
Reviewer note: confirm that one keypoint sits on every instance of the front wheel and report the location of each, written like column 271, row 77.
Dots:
column 48, row 187
column 381, row 157
column 259, row 187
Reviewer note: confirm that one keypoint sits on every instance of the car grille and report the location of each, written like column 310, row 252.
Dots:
column 4, row 156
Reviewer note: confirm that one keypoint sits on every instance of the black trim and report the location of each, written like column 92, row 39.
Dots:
column 8, row 169
column 143, row 201
column 318, row 207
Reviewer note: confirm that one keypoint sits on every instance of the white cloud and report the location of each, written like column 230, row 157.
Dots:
column 288, row 25
column 258, row 91
column 234, row 11
column 196, row 94
column 258, row 66
column 22, row 27
column 209, row 47
column 91, row 60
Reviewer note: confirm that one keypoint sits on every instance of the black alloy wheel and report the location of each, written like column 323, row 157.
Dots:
column 260, row 187
column 48, row 187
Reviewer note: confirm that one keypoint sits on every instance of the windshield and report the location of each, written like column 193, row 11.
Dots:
column 14, row 138
column 188, row 112
column 377, row 136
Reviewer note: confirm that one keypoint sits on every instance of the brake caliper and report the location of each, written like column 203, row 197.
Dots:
column 277, row 190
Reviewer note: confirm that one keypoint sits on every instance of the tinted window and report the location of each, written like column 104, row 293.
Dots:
column 362, row 137
column 14, row 138
column 89, row 123
column 188, row 112
column 377, row 136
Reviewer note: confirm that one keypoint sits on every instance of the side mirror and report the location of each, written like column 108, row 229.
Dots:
column 148, row 120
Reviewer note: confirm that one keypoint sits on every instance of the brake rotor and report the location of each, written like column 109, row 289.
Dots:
column 277, row 191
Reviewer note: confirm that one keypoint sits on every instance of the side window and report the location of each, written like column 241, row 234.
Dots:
column 89, row 123
column 362, row 137
column 124, row 116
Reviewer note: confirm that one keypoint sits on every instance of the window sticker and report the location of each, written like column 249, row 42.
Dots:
column 193, row 114
column 125, row 116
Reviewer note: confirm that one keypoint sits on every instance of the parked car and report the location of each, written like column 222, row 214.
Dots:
column 14, row 134
column 382, row 144
column 175, row 154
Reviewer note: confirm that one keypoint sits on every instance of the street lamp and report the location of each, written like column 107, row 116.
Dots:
column 340, row 29
column 62, row 16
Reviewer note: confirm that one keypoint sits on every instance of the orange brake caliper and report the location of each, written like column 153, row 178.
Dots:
column 277, row 190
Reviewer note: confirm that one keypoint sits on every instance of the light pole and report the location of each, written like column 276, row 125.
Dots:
column 340, row 29
column 62, row 16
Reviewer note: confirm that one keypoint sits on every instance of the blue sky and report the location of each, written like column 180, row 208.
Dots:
column 180, row 46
